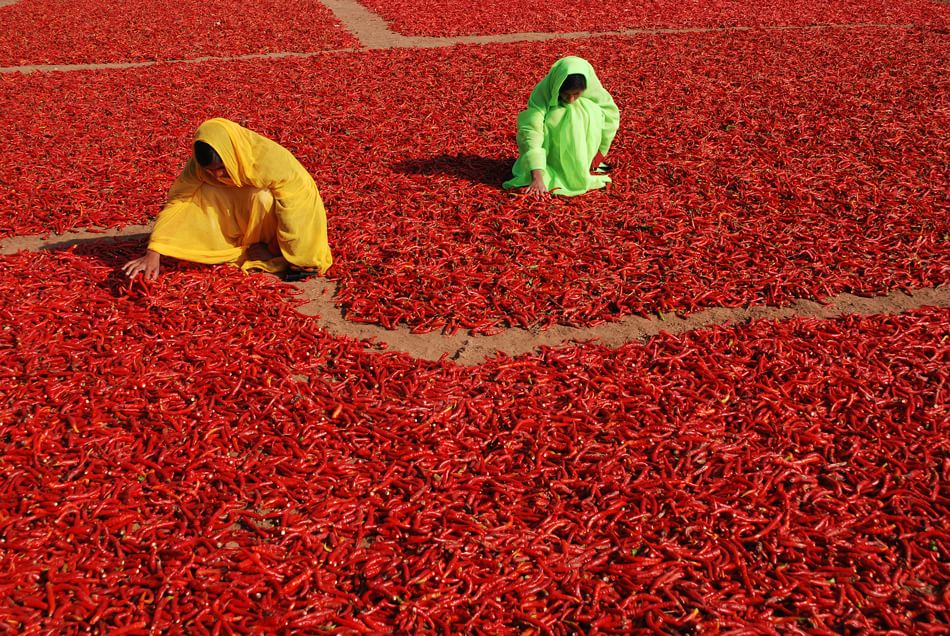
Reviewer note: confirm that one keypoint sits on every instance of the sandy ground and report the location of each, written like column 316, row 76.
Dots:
column 467, row 349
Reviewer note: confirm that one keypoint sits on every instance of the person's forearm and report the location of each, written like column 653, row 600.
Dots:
column 537, row 175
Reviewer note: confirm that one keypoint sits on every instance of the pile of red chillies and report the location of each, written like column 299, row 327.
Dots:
column 192, row 456
column 455, row 17
column 104, row 31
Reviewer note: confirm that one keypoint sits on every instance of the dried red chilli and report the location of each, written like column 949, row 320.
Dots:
column 580, row 488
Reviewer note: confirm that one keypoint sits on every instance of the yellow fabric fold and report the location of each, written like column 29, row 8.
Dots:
column 271, row 198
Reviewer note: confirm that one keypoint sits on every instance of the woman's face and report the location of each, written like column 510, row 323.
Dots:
column 570, row 96
column 219, row 172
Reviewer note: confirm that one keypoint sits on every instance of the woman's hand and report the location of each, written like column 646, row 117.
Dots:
column 537, row 187
column 148, row 265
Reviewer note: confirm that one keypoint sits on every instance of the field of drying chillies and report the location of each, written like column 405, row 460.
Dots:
column 456, row 17
column 194, row 456
column 184, row 460
column 91, row 31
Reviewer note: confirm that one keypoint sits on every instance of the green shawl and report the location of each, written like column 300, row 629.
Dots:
column 563, row 139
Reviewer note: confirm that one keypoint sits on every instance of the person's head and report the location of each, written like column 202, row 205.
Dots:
column 573, row 87
column 211, row 161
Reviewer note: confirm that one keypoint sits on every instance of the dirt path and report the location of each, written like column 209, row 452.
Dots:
column 48, row 68
column 373, row 33
column 367, row 27
column 466, row 349
column 36, row 243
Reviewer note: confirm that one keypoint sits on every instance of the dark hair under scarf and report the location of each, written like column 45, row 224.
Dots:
column 205, row 154
column 573, row 82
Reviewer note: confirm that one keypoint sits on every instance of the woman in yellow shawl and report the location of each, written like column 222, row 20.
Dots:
column 241, row 199
column 565, row 132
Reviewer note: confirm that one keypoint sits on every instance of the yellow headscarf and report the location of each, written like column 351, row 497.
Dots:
column 273, row 200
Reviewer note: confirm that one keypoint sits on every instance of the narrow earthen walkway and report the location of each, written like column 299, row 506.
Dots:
column 375, row 35
column 466, row 349
column 100, row 66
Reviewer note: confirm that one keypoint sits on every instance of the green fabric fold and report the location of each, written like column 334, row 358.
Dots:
column 563, row 139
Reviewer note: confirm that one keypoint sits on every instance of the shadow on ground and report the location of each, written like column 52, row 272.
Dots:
column 491, row 171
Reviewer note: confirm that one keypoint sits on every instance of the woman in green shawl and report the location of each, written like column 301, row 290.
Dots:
column 565, row 132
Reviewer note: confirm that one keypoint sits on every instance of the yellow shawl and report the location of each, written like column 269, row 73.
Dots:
column 272, row 199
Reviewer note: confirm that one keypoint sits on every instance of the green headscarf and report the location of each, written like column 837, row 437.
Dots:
column 563, row 139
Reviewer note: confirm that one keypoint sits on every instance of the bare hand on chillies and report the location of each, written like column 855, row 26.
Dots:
column 537, row 188
column 147, row 265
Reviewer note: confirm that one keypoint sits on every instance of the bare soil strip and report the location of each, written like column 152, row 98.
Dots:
column 50, row 68
column 367, row 27
column 373, row 34
column 466, row 349
column 105, row 236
